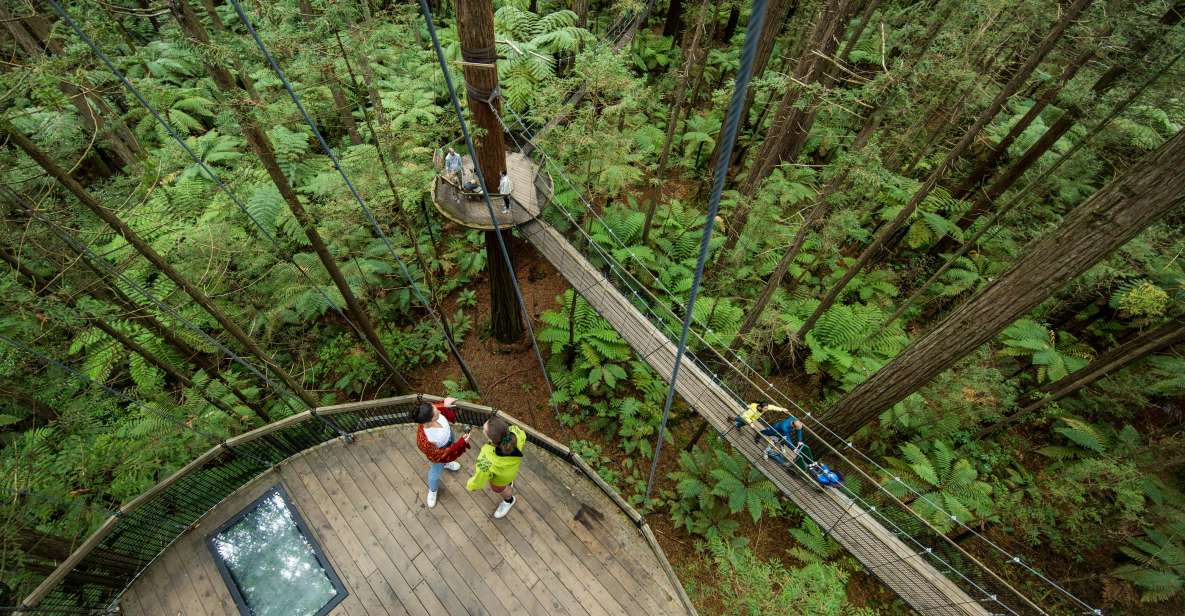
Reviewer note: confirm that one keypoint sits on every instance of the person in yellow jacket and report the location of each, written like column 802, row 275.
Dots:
column 498, row 462
column 754, row 412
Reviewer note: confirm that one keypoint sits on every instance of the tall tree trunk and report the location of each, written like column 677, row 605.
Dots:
column 376, row 100
column 673, row 24
column 788, row 119
column 987, row 163
column 861, row 25
column 947, row 7
column 262, row 147
column 730, row 26
column 26, row 400
column 56, row 549
column 580, row 7
column 692, row 59
column 25, row 39
column 1067, row 120
column 113, row 295
column 156, row 259
column 775, row 20
column 817, row 214
column 1115, row 214
column 887, row 231
column 40, row 287
column 345, row 111
column 475, row 22
column 1114, row 360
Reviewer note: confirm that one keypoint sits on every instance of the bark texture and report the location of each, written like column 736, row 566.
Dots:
column 1118, row 358
column 1106, row 221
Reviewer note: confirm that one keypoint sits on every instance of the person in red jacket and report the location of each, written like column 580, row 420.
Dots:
column 434, row 437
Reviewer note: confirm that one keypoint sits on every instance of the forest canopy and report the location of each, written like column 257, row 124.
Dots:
column 950, row 238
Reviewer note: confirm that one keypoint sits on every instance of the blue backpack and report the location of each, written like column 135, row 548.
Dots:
column 824, row 475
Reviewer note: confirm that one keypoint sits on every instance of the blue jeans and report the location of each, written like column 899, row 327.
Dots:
column 435, row 470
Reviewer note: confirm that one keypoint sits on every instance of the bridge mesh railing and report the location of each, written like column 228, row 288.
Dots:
column 979, row 567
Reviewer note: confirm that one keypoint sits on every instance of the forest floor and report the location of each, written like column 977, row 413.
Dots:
column 510, row 380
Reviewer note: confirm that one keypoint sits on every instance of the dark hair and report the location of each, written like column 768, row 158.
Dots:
column 763, row 404
column 422, row 413
column 500, row 435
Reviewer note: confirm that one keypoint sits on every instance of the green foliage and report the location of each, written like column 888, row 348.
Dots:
column 1158, row 560
column 1054, row 357
column 1140, row 300
column 744, row 585
column 948, row 485
column 813, row 544
column 713, row 484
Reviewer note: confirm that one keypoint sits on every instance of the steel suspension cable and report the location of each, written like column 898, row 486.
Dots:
column 739, row 92
column 426, row 12
column 196, row 159
column 246, row 21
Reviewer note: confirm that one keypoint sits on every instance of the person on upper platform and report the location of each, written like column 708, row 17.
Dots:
column 452, row 165
column 504, row 189
column 435, row 439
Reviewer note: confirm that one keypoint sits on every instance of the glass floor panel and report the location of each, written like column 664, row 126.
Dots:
column 272, row 564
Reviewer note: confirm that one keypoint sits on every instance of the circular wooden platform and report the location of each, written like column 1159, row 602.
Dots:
column 469, row 208
column 565, row 548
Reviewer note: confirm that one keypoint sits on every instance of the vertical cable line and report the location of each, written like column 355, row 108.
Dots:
column 349, row 184
column 102, row 264
column 739, row 91
column 485, row 193
column 194, row 157
column 126, row 398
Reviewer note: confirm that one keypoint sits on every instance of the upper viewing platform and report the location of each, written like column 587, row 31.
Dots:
column 460, row 199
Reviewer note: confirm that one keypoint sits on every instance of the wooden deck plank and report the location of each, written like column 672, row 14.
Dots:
column 181, row 583
column 544, row 504
column 395, row 504
column 573, row 570
column 471, row 568
column 613, row 552
column 335, row 538
column 395, row 577
column 484, row 563
column 509, row 576
column 363, row 503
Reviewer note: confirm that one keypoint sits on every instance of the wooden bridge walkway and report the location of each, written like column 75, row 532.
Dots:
column 902, row 567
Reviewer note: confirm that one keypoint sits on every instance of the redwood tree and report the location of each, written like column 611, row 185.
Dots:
column 1088, row 234
column 1118, row 358
column 887, row 231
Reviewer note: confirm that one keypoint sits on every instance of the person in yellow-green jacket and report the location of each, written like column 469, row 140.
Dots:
column 498, row 462
column 754, row 411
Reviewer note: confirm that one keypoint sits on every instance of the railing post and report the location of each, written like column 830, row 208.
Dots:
column 332, row 425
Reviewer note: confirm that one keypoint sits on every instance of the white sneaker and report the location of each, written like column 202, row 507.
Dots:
column 504, row 508
column 453, row 466
column 431, row 499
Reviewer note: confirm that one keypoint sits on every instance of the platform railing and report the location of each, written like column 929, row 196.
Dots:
column 87, row 583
